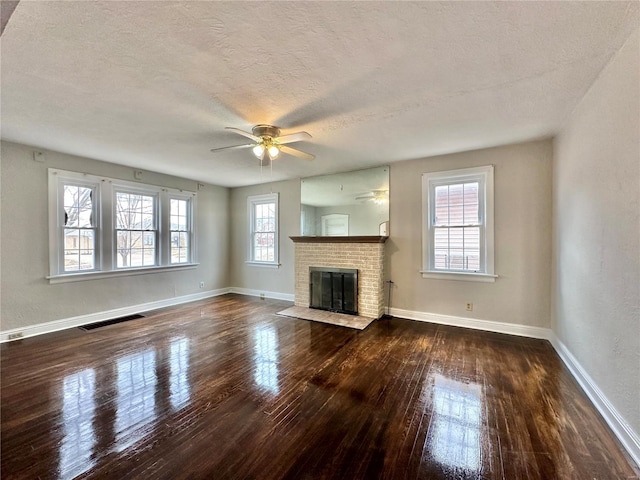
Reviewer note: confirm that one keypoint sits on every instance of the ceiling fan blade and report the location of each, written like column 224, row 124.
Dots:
column 292, row 137
column 246, row 134
column 234, row 147
column 296, row 153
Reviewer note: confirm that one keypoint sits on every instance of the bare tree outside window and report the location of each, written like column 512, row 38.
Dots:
column 135, row 230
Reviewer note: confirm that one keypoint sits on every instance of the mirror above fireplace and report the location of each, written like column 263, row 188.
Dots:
column 346, row 204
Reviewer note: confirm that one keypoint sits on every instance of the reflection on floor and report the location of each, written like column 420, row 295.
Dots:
column 340, row 319
column 224, row 388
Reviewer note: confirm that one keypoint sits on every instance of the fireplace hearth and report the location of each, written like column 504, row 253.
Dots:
column 334, row 289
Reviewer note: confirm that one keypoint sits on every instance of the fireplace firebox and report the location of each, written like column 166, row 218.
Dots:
column 334, row 289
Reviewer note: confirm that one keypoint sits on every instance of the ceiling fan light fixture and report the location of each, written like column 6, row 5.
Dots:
column 380, row 197
column 258, row 150
column 273, row 151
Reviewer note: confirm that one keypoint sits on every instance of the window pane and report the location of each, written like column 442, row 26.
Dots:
column 78, row 206
column 456, row 202
column 456, row 238
column 471, row 204
column 472, row 239
column 179, row 234
column 149, row 256
column 136, row 257
column 136, row 236
column 184, row 239
column 79, row 249
column 123, row 248
column 456, row 259
column 442, row 205
column 457, row 248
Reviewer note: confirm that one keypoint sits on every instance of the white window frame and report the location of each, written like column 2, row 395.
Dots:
column 252, row 202
column 105, row 189
column 191, row 199
column 484, row 176
column 137, row 190
column 56, row 220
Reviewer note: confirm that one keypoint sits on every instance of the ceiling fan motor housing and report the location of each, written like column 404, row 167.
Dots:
column 266, row 131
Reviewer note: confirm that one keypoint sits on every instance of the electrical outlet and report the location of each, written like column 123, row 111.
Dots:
column 201, row 284
column 469, row 307
column 14, row 336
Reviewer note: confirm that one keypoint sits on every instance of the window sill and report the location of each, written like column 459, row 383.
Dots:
column 79, row 277
column 263, row 264
column 465, row 277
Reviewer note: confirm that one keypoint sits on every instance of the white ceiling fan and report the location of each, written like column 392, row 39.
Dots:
column 267, row 140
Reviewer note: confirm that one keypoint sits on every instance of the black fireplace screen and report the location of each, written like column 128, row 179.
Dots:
column 334, row 289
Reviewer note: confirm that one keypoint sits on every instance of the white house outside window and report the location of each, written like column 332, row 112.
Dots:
column 458, row 224
column 104, row 226
column 263, row 229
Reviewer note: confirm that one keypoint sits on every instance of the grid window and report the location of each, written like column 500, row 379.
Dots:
column 135, row 230
column 263, row 213
column 180, row 241
column 458, row 221
column 457, row 227
column 79, row 228
column 100, row 225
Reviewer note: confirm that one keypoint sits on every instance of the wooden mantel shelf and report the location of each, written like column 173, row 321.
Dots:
column 354, row 239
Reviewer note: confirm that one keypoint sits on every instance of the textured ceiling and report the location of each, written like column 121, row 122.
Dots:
column 153, row 84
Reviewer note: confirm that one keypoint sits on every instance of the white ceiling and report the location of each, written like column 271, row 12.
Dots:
column 153, row 84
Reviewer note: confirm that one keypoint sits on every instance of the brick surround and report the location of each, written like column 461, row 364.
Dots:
column 363, row 254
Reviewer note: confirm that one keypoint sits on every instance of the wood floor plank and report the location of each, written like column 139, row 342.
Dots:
column 224, row 388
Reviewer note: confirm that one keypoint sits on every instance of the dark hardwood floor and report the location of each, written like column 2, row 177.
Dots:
column 225, row 389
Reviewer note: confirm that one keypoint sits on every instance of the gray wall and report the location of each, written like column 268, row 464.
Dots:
column 596, row 220
column 265, row 279
column 28, row 298
column 521, row 294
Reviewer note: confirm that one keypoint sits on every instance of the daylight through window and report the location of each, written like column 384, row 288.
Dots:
column 263, row 215
column 458, row 222
column 100, row 225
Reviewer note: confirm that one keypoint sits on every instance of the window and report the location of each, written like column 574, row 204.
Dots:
column 80, row 220
column 136, row 229
column 101, row 226
column 458, row 224
column 263, row 229
column 180, row 231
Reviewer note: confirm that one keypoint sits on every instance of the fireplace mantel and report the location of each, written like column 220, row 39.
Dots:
column 353, row 239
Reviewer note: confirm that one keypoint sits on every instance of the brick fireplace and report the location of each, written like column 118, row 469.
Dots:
column 366, row 254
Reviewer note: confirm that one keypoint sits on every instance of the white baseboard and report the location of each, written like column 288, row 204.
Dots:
column 81, row 320
column 620, row 428
column 259, row 293
column 475, row 323
column 625, row 434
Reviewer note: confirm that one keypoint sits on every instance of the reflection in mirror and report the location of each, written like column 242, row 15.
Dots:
column 352, row 203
